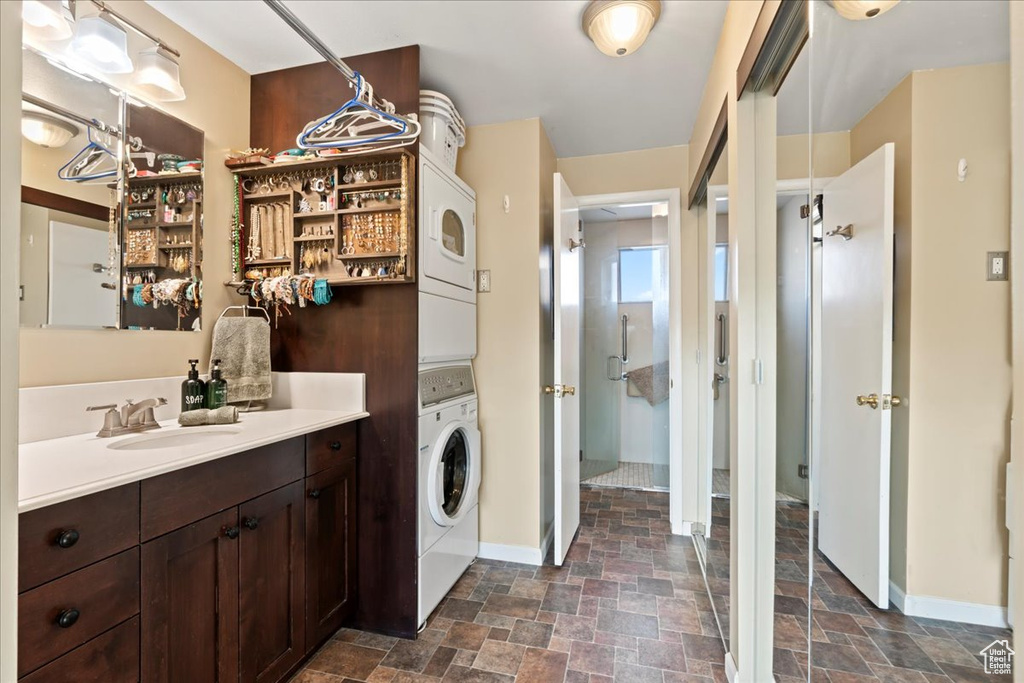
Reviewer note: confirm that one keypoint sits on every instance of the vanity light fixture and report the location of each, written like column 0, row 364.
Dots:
column 158, row 75
column 102, row 44
column 45, row 130
column 858, row 10
column 620, row 27
column 47, row 19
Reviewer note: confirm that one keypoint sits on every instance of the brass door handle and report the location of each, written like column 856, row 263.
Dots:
column 896, row 401
column 560, row 390
column 869, row 400
column 569, row 391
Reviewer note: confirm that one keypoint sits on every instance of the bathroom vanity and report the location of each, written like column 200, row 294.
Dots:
column 227, row 555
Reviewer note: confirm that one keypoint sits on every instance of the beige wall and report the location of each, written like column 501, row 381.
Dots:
column 831, row 157
column 890, row 121
column 648, row 169
column 505, row 160
column 960, row 341
column 952, row 333
column 740, row 18
column 10, row 219
column 218, row 103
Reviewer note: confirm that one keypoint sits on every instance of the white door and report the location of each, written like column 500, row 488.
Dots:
column 567, row 306
column 856, row 340
column 77, row 298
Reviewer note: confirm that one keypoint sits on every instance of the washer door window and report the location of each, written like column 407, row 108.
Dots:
column 454, row 475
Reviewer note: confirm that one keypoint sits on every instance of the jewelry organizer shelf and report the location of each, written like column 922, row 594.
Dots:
column 352, row 233
column 180, row 194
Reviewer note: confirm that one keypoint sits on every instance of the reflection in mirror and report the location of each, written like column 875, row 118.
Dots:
column 910, row 120
column 69, row 269
column 163, row 233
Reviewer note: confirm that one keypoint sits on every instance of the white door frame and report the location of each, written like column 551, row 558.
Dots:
column 682, row 404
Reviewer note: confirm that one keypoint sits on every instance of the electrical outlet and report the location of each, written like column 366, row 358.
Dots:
column 483, row 281
column 998, row 266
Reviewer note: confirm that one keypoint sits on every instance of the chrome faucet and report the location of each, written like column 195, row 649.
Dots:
column 131, row 417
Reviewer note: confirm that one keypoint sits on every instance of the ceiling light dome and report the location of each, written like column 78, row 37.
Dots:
column 620, row 27
column 47, row 19
column 46, row 131
column 102, row 44
column 158, row 75
column 857, row 10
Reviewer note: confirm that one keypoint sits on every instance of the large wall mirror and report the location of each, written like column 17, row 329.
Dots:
column 112, row 196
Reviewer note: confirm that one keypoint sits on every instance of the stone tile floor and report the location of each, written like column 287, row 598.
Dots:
column 630, row 606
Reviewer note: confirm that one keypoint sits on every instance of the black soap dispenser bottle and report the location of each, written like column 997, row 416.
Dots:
column 193, row 389
column 216, row 388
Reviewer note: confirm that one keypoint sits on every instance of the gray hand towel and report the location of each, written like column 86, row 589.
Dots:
column 243, row 347
column 224, row 415
column 651, row 382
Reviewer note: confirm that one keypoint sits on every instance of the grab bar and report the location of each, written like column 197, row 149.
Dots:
column 625, row 356
column 723, row 340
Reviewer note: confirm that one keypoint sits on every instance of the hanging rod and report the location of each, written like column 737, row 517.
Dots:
column 307, row 34
column 61, row 111
column 106, row 9
column 133, row 141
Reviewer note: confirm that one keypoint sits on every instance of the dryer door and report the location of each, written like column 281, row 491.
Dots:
column 449, row 244
column 454, row 473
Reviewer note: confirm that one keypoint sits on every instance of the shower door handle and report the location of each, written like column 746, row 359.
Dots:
column 723, row 341
column 614, row 370
column 625, row 354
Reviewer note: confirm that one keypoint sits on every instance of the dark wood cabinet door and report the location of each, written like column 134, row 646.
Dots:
column 190, row 603
column 330, row 551
column 272, row 584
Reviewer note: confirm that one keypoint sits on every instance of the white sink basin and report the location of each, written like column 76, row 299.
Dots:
column 172, row 439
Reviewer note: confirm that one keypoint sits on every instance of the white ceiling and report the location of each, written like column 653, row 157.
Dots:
column 499, row 60
column 857, row 63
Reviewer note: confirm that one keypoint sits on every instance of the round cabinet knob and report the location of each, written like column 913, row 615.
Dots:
column 67, row 538
column 232, row 532
column 251, row 523
column 335, row 445
column 68, row 617
column 314, row 493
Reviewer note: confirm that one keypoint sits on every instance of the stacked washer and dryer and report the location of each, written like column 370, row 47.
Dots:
column 449, row 438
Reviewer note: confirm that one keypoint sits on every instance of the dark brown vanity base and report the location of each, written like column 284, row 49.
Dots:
column 235, row 569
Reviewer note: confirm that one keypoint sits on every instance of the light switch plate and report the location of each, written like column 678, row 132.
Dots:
column 998, row 266
column 483, row 281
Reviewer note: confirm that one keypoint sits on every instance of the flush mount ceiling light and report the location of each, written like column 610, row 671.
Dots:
column 46, row 131
column 158, row 75
column 102, row 44
column 858, row 10
column 47, row 19
column 620, row 27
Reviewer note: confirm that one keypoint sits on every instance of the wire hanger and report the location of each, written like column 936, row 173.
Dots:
column 94, row 162
column 358, row 126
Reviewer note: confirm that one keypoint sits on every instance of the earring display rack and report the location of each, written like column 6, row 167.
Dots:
column 348, row 220
column 163, row 226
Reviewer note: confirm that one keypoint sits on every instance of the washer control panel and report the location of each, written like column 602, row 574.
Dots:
column 445, row 384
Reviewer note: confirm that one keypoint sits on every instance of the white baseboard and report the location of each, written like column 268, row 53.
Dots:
column 732, row 674
column 511, row 553
column 948, row 610
column 685, row 529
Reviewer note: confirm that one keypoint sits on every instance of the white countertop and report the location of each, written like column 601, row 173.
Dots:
column 56, row 470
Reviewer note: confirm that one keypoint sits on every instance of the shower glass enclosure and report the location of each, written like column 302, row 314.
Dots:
column 625, row 343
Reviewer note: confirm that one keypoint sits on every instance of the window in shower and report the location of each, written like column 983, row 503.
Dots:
column 640, row 271
column 721, row 272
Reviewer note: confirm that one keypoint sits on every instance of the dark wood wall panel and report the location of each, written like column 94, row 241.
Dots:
column 370, row 329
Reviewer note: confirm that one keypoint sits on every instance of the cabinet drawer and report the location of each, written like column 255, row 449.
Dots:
column 59, row 616
column 109, row 658
column 175, row 499
column 330, row 447
column 57, row 540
